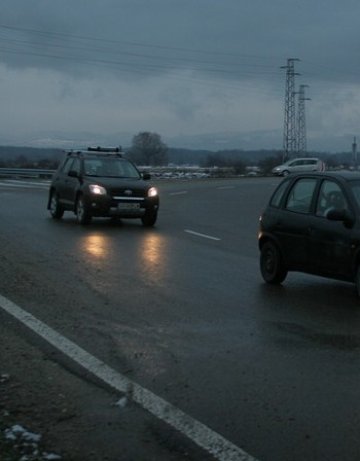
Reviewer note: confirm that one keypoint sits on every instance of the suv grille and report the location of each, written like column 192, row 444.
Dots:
column 120, row 192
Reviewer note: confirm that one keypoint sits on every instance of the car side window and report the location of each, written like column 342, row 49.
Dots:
column 278, row 194
column 331, row 196
column 67, row 165
column 301, row 195
column 76, row 166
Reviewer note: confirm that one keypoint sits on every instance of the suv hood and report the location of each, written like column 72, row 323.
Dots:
column 118, row 183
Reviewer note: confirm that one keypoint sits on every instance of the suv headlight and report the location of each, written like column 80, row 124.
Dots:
column 152, row 192
column 97, row 190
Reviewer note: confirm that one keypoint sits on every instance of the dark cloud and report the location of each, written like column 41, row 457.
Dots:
column 230, row 39
column 182, row 56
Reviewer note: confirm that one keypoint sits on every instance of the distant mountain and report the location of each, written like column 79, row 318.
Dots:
column 68, row 140
column 259, row 140
column 228, row 140
column 246, row 141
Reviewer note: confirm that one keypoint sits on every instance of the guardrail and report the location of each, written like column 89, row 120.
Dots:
column 156, row 172
column 25, row 173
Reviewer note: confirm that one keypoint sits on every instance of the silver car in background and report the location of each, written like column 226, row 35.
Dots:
column 299, row 165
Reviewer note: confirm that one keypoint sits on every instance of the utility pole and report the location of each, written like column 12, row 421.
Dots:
column 301, row 142
column 354, row 153
column 290, row 144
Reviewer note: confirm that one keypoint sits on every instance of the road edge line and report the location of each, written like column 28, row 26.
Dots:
column 199, row 433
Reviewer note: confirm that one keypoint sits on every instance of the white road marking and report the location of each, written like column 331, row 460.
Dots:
column 179, row 193
column 188, row 231
column 202, row 435
column 226, row 187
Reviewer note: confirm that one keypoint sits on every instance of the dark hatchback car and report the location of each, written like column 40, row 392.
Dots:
column 100, row 182
column 312, row 225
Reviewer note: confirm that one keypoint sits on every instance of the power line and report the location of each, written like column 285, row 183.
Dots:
column 232, row 69
column 142, row 64
column 136, row 44
column 145, row 69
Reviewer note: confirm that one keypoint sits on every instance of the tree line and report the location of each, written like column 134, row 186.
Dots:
column 148, row 149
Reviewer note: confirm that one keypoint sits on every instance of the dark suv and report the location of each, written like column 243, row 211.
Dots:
column 312, row 224
column 101, row 182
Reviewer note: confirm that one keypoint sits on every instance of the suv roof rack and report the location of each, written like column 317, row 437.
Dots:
column 104, row 149
column 97, row 150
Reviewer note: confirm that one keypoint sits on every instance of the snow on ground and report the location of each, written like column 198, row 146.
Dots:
column 24, row 443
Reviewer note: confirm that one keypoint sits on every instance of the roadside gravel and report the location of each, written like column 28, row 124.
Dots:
column 50, row 410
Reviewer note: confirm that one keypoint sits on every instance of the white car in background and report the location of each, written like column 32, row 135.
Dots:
column 299, row 165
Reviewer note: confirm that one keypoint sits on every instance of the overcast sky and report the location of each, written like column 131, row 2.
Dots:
column 177, row 67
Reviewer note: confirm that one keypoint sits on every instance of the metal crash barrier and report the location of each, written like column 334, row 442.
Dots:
column 25, row 173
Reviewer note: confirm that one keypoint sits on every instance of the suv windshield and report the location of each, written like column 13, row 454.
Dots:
column 110, row 168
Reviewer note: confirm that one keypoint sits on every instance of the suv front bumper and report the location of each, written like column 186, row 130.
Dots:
column 105, row 206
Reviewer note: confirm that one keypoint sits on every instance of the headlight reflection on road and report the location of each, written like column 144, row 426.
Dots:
column 153, row 254
column 96, row 245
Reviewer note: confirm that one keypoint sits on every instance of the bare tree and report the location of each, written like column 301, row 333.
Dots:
column 148, row 149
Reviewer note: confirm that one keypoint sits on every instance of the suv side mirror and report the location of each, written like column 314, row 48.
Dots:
column 146, row 176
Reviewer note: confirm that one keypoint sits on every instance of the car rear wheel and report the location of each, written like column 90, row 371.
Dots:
column 82, row 213
column 56, row 210
column 271, row 265
column 149, row 218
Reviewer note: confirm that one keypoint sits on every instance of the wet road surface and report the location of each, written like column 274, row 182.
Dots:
column 182, row 310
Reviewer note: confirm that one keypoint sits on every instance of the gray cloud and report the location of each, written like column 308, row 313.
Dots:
column 175, row 66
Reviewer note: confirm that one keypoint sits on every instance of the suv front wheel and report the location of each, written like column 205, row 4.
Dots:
column 56, row 210
column 149, row 218
column 83, row 215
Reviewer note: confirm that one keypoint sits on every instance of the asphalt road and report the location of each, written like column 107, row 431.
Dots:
column 181, row 309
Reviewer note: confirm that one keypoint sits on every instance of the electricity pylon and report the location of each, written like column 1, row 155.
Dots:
column 301, row 145
column 354, row 153
column 290, row 131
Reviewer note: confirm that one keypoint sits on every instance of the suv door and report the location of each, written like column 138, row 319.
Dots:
column 294, row 166
column 70, row 184
column 311, row 165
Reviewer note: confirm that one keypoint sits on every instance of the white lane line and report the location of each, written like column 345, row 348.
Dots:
column 188, row 231
column 221, row 448
column 182, row 192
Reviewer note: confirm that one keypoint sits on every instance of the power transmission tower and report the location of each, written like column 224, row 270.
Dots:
column 301, row 146
column 290, row 138
column 354, row 154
